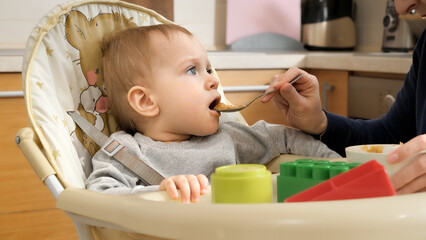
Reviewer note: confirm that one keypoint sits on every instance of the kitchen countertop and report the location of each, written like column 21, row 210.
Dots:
column 351, row 61
column 11, row 61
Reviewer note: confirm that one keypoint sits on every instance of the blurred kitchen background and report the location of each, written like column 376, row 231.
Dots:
column 249, row 41
column 218, row 23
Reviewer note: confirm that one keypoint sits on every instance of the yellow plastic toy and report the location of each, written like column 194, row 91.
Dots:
column 61, row 73
column 243, row 183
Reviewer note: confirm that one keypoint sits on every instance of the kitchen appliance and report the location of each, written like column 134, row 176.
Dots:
column 397, row 35
column 401, row 31
column 328, row 25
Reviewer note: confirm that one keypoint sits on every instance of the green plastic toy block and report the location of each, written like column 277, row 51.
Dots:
column 302, row 174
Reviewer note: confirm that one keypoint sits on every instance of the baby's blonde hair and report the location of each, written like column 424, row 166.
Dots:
column 126, row 63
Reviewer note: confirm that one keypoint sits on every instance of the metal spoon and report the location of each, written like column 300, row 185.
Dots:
column 222, row 107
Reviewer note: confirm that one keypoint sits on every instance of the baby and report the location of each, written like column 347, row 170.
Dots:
column 162, row 92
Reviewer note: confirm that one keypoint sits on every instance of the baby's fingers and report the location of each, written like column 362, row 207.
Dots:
column 194, row 187
column 169, row 185
column 204, row 183
column 190, row 187
column 184, row 187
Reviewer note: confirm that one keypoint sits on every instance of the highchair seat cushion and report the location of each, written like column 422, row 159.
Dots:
column 61, row 72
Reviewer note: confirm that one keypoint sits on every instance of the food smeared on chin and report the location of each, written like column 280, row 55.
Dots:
column 223, row 106
column 372, row 149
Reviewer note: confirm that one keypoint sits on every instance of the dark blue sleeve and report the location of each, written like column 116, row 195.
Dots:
column 405, row 119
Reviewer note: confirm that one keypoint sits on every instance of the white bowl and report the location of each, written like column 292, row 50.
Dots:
column 360, row 155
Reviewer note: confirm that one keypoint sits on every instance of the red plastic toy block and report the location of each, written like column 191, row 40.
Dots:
column 365, row 181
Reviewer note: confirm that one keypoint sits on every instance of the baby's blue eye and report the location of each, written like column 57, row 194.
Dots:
column 191, row 71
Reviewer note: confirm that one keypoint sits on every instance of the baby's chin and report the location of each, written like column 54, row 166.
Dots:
column 208, row 132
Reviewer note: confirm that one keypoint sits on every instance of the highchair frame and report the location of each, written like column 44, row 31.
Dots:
column 156, row 216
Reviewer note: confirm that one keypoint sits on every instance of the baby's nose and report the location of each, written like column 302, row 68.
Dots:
column 213, row 82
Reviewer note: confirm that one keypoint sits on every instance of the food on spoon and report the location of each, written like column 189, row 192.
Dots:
column 224, row 106
column 372, row 149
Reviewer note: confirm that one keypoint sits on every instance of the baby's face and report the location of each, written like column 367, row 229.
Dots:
column 184, row 87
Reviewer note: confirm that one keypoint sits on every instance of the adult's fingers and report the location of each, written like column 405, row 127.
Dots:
column 408, row 149
column 411, row 177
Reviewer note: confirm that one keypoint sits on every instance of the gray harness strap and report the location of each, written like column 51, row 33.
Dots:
column 113, row 148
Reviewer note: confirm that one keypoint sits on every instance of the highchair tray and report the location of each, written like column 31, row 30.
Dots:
column 156, row 214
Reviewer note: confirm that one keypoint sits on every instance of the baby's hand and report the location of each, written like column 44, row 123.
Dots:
column 190, row 186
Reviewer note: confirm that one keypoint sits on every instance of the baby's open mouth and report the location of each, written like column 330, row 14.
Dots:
column 214, row 103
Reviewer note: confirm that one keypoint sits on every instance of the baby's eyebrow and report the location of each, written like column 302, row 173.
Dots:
column 190, row 60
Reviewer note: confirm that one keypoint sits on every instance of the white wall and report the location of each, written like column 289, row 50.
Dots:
column 206, row 19
column 18, row 18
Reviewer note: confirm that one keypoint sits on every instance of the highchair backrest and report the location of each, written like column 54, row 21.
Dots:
column 61, row 72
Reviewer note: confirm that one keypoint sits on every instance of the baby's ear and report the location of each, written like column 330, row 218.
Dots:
column 141, row 102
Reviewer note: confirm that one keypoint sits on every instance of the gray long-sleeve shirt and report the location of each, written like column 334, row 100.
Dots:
column 234, row 143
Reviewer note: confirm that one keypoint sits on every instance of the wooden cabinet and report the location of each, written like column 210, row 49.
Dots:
column 336, row 95
column 333, row 87
column 27, row 209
